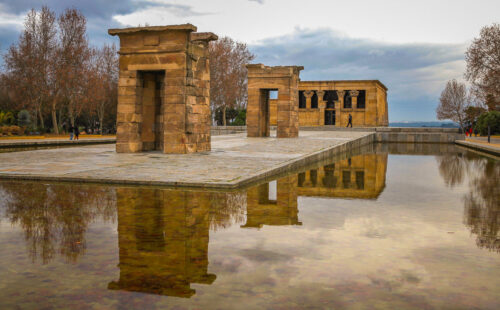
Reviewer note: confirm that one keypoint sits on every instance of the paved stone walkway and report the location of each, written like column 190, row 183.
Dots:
column 234, row 159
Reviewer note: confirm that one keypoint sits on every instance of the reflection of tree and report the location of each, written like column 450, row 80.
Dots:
column 452, row 169
column 226, row 209
column 55, row 217
column 482, row 206
column 482, row 203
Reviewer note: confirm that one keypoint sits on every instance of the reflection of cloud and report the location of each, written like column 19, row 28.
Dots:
column 260, row 255
column 414, row 73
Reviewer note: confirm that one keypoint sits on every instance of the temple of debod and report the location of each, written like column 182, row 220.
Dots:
column 164, row 110
column 310, row 103
column 164, row 99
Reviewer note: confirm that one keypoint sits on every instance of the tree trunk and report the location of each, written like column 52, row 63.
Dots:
column 54, row 118
column 224, row 116
column 41, row 118
column 59, row 119
column 35, row 117
column 70, row 114
column 101, row 119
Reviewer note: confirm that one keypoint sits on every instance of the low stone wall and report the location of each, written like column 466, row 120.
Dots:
column 418, row 137
column 480, row 147
column 227, row 130
column 402, row 134
column 415, row 148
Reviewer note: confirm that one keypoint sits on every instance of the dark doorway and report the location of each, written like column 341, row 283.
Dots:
column 264, row 123
column 152, row 119
column 329, row 117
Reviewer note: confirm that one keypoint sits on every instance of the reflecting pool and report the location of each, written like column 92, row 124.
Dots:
column 387, row 227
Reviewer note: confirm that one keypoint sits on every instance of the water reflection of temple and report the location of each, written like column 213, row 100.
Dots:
column 163, row 241
column 275, row 203
column 361, row 176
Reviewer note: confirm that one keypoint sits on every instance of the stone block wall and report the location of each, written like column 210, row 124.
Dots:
column 177, row 118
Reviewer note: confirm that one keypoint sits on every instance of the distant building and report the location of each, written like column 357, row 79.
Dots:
column 330, row 103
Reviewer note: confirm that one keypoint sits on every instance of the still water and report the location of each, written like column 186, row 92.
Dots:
column 387, row 227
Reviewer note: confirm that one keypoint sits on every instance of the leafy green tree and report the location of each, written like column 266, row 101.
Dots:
column 491, row 119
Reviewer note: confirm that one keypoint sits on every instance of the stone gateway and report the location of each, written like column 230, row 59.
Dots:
column 263, row 79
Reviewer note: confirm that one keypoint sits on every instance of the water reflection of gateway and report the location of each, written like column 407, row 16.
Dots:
column 163, row 240
column 279, row 210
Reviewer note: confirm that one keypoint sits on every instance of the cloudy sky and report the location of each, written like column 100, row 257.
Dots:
column 413, row 47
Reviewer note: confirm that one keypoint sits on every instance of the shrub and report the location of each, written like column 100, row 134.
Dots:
column 490, row 118
column 6, row 118
column 240, row 119
column 23, row 118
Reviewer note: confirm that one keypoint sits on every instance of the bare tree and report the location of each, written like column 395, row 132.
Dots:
column 101, row 82
column 74, row 54
column 109, row 78
column 46, row 44
column 483, row 63
column 30, row 63
column 228, row 74
column 453, row 103
column 20, row 64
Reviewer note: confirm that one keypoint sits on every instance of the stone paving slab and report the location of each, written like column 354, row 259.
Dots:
column 235, row 160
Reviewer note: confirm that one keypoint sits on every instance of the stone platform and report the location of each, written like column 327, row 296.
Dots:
column 234, row 161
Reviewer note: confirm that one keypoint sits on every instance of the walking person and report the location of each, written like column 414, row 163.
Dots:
column 77, row 132
column 71, row 131
column 350, row 121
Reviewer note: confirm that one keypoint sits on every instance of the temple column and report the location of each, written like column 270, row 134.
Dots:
column 354, row 98
column 308, row 94
column 339, row 104
column 321, row 107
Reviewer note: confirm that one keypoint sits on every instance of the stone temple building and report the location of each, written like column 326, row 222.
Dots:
column 330, row 103
column 309, row 103
column 163, row 89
